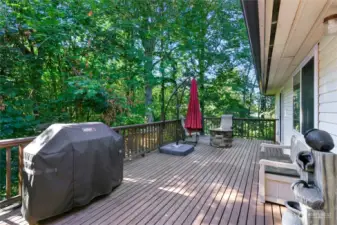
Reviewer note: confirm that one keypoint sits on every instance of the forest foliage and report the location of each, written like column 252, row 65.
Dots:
column 119, row 61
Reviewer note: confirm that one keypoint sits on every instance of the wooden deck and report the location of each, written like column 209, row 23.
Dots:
column 209, row 186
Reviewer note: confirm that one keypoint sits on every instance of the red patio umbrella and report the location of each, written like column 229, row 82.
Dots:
column 193, row 118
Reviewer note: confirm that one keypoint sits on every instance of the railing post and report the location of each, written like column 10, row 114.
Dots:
column 242, row 131
column 20, row 168
column 274, row 131
column 8, row 173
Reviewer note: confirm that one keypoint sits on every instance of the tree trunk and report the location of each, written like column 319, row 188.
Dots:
column 162, row 99
column 202, row 83
column 251, row 97
column 246, row 79
column 149, row 46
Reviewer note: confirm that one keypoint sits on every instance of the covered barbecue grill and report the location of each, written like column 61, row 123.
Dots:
column 67, row 166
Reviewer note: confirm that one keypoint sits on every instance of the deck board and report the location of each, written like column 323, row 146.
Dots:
column 209, row 186
column 246, row 200
column 214, row 211
column 237, row 190
column 215, row 194
column 193, row 188
column 242, row 199
column 207, row 173
column 192, row 211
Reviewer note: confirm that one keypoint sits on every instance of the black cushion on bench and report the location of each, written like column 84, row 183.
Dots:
column 277, row 155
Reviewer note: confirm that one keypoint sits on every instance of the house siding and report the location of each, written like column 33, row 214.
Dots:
column 327, row 90
column 288, row 112
column 277, row 116
column 327, row 94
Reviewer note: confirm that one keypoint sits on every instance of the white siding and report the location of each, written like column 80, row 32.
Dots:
column 288, row 112
column 328, row 86
column 327, row 94
column 277, row 116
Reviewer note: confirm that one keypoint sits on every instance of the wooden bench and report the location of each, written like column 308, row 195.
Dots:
column 278, row 171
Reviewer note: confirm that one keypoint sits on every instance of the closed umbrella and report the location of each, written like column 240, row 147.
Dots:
column 193, row 118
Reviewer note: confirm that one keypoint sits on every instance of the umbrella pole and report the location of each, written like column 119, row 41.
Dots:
column 178, row 110
column 175, row 93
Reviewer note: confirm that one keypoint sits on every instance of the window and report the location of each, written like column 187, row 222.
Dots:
column 303, row 104
column 297, row 101
column 308, row 96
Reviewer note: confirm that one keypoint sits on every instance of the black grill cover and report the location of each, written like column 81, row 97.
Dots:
column 67, row 166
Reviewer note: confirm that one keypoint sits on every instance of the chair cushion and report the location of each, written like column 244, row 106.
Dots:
column 278, row 156
column 275, row 155
column 282, row 171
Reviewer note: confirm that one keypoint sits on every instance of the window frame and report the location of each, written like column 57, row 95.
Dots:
column 314, row 53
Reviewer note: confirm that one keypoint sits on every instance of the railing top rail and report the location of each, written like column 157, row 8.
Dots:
column 255, row 119
column 142, row 125
column 18, row 141
column 236, row 118
column 15, row 141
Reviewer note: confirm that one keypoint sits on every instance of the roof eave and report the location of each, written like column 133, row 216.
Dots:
column 251, row 16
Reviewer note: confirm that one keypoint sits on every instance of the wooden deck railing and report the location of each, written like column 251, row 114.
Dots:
column 13, row 168
column 138, row 140
column 263, row 129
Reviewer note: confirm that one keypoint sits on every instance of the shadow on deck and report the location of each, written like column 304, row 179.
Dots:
column 209, row 186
